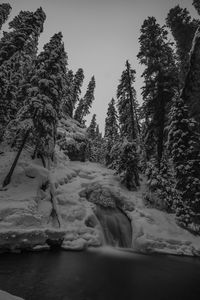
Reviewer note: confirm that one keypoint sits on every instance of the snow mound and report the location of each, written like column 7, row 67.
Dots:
column 156, row 231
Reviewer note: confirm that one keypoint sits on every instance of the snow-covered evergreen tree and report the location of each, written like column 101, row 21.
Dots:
column 24, row 25
column 183, row 29
column 16, row 71
column 5, row 9
column 85, row 103
column 191, row 89
column 111, row 130
column 161, row 192
column 74, row 83
column 95, row 143
column 92, row 128
column 43, row 104
column 184, row 147
column 127, row 104
column 125, row 161
column 196, row 4
column 160, row 84
column 77, row 84
column 111, row 125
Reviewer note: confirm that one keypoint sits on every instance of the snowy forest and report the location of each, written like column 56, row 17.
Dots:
column 63, row 180
column 159, row 139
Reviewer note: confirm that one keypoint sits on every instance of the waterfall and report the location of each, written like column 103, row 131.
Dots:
column 115, row 225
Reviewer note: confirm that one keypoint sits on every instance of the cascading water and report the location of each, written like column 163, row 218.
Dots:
column 115, row 225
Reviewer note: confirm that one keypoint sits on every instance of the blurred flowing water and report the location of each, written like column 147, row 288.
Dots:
column 99, row 274
column 116, row 227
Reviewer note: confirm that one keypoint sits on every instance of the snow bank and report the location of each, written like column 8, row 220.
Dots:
column 156, row 231
column 27, row 220
column 6, row 296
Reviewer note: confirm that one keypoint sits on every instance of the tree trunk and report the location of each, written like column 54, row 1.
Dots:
column 8, row 177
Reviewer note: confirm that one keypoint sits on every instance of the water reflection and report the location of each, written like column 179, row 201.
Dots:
column 99, row 275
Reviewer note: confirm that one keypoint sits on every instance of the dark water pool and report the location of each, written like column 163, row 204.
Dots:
column 99, row 275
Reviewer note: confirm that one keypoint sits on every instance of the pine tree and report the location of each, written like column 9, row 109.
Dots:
column 123, row 154
column 16, row 71
column 5, row 9
column 127, row 104
column 92, row 128
column 196, row 4
column 77, row 84
column 24, row 25
column 111, row 125
column 111, row 131
column 47, row 91
column 74, row 83
column 43, row 105
column 67, row 105
column 191, row 89
column 95, row 144
column 183, row 29
column 160, row 79
column 127, row 163
column 185, row 150
column 85, row 103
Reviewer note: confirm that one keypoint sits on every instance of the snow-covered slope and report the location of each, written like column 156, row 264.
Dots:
column 6, row 296
column 27, row 219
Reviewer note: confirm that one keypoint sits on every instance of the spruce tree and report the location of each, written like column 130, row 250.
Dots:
column 183, row 29
column 24, row 25
column 185, row 150
column 16, row 71
column 111, row 125
column 95, row 144
column 74, row 83
column 85, row 103
column 47, row 91
column 111, row 131
column 43, row 105
column 77, row 84
column 92, row 128
column 67, row 105
column 123, row 154
column 160, row 79
column 5, row 9
column 191, row 89
column 196, row 4
column 127, row 104
column 125, row 162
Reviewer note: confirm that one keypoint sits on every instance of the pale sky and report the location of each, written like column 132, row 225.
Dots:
column 99, row 35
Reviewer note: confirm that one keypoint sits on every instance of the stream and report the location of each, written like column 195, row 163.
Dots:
column 99, row 274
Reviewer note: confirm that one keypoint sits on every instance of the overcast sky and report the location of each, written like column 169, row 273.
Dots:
column 99, row 36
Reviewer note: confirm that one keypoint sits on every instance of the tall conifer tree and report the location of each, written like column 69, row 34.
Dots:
column 160, row 79
column 5, row 9
column 183, row 29
column 16, row 70
column 127, row 104
column 85, row 103
column 111, row 130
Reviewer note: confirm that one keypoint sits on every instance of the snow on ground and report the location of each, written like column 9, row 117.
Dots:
column 26, row 219
column 6, row 296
